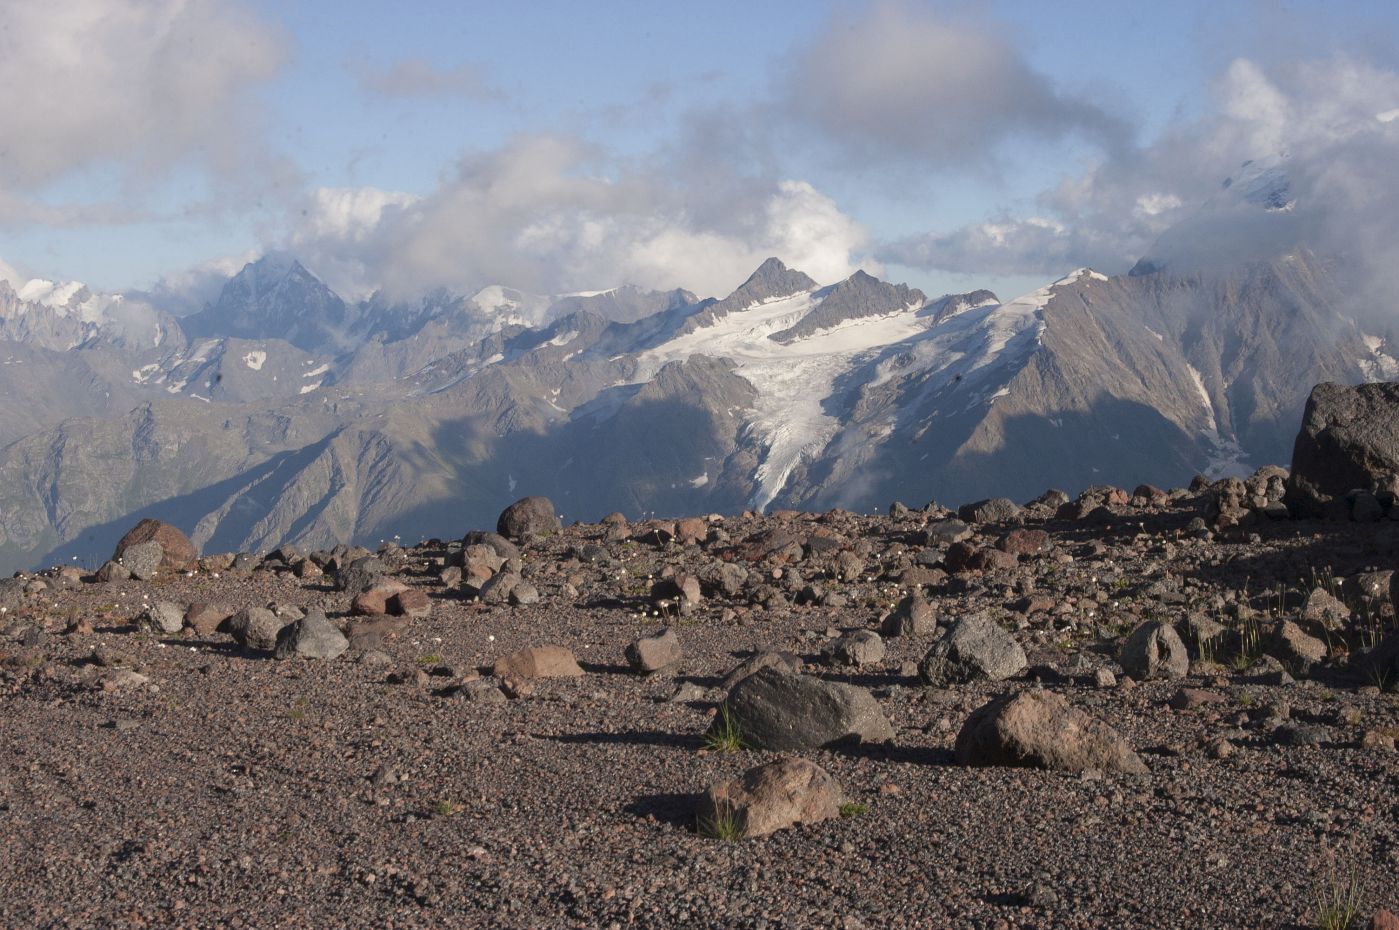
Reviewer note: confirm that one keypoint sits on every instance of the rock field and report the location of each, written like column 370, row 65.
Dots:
column 1150, row 709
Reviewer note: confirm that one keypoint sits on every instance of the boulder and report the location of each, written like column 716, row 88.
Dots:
column 854, row 650
column 1154, row 650
column 946, row 532
column 143, row 560
column 255, row 628
column 163, row 617
column 412, row 603
column 1294, row 646
column 1040, row 729
column 783, row 661
column 361, row 575
column 995, row 510
column 782, row 711
column 528, row 518
column 768, row 798
column 205, row 619
column 976, row 648
column 653, row 653
column 498, row 544
column 1349, row 440
column 311, row 637
column 177, row 551
column 913, row 617
column 538, row 662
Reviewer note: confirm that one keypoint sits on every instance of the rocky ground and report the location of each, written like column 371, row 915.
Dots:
column 175, row 755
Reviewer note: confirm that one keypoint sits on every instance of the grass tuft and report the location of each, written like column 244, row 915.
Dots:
column 726, row 735
column 1337, row 898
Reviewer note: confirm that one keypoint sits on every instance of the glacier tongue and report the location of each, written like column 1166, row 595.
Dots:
column 792, row 380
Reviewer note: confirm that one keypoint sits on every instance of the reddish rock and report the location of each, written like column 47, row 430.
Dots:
column 691, row 530
column 411, row 603
column 1384, row 920
column 770, row 797
column 375, row 601
column 178, row 551
column 1025, row 542
column 538, row 662
column 205, row 619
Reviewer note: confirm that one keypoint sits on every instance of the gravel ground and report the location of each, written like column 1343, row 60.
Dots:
column 235, row 790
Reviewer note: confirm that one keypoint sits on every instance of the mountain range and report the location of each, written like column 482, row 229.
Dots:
column 283, row 413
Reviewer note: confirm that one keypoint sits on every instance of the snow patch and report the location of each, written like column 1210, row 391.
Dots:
column 791, row 380
column 255, row 359
column 701, row 481
column 308, row 388
column 319, row 370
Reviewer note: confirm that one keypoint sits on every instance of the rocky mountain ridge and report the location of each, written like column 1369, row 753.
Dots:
column 352, row 421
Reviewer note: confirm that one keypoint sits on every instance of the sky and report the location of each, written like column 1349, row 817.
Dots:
column 558, row 146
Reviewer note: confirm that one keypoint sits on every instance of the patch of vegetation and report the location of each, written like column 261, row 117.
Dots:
column 725, row 824
column 854, row 809
column 446, row 807
column 432, row 658
column 1337, row 898
column 726, row 735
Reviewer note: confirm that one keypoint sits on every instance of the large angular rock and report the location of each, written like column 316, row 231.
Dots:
column 163, row 617
column 976, row 648
column 255, row 628
column 656, row 652
column 538, row 662
column 177, row 551
column 1155, row 650
column 1040, row 729
column 528, row 518
column 311, row 637
column 771, row 797
column 784, row 711
column 1349, row 440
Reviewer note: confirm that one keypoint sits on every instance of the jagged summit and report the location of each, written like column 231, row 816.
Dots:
column 772, row 280
column 858, row 296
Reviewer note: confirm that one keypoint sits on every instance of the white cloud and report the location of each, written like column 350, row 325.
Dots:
column 1315, row 139
column 549, row 214
column 143, row 84
column 9, row 275
column 900, row 81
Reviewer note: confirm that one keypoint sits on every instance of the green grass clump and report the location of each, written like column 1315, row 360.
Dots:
column 854, row 809
column 726, row 735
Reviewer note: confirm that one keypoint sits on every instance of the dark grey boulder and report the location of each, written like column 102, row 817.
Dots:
column 975, row 648
column 528, row 518
column 311, row 637
column 781, row 711
column 1349, row 441
column 255, row 628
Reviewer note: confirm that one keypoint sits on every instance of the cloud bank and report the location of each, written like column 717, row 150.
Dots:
column 1296, row 153
column 550, row 214
column 140, row 85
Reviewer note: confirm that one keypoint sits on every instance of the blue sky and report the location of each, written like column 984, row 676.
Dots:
column 252, row 133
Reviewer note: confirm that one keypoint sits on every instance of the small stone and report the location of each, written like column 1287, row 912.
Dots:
column 412, row 603
column 143, row 560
